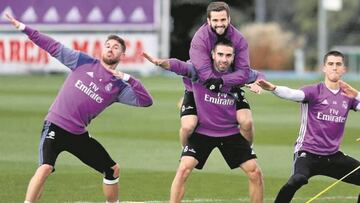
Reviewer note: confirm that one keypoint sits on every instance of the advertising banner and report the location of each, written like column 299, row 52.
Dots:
column 19, row 55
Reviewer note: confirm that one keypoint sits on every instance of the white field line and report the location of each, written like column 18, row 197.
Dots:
column 235, row 200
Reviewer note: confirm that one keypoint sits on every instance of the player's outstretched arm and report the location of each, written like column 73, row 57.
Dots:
column 66, row 56
column 282, row 91
column 347, row 90
column 254, row 87
column 13, row 21
column 266, row 85
column 174, row 65
column 163, row 63
column 251, row 82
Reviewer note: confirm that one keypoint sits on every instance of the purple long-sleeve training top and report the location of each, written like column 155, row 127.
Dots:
column 88, row 89
column 323, row 117
column 200, row 55
column 216, row 111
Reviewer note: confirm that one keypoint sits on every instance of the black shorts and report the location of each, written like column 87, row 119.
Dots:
column 336, row 166
column 55, row 140
column 242, row 102
column 188, row 106
column 234, row 148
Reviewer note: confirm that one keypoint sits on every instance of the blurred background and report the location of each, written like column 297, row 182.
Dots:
column 283, row 35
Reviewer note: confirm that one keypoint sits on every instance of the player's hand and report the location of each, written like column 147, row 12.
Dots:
column 214, row 84
column 12, row 20
column 253, row 87
column 118, row 74
column 358, row 139
column 266, row 85
column 347, row 90
column 163, row 63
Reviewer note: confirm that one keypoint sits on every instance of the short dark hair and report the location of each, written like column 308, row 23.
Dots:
column 217, row 6
column 224, row 41
column 334, row 53
column 118, row 39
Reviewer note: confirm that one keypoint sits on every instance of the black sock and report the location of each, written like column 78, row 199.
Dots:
column 286, row 193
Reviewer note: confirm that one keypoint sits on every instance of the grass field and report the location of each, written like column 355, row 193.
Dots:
column 144, row 141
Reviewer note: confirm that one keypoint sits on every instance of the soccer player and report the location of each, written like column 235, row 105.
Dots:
column 91, row 86
column 217, row 26
column 217, row 125
column 324, row 110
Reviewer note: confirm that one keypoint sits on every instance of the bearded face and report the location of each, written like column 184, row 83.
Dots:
column 219, row 21
column 110, row 61
column 112, row 52
column 223, row 57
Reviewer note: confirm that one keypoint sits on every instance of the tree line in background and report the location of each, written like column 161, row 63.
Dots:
column 288, row 25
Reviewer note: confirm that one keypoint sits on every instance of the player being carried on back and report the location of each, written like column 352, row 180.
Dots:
column 217, row 125
column 218, row 26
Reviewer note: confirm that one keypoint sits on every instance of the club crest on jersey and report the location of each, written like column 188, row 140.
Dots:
column 344, row 104
column 108, row 87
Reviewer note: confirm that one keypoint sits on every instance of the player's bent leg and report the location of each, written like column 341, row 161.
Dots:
column 344, row 165
column 188, row 124
column 187, row 164
column 288, row 191
column 256, row 183
column 245, row 120
column 36, row 184
column 111, row 184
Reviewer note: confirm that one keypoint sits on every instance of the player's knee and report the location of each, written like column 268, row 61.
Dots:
column 255, row 175
column 116, row 169
column 45, row 170
column 246, row 123
column 188, row 128
column 244, row 118
column 184, row 172
column 111, row 175
column 298, row 180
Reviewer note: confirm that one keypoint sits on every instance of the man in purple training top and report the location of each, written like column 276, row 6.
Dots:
column 91, row 86
column 217, row 26
column 324, row 110
column 217, row 126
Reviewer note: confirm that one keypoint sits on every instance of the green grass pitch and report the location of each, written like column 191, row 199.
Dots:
column 144, row 141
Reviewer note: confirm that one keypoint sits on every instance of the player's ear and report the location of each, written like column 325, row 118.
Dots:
column 212, row 54
column 208, row 20
column 324, row 67
column 122, row 56
column 344, row 70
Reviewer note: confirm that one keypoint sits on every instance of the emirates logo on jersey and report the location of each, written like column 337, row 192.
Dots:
column 108, row 87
